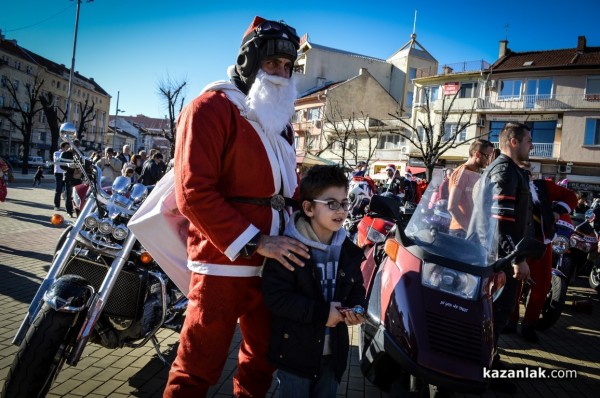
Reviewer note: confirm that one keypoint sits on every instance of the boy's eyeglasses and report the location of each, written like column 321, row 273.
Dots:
column 334, row 204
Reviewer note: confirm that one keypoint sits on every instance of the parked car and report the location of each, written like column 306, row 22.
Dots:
column 35, row 161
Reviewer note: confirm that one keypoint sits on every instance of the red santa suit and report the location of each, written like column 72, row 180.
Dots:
column 220, row 157
column 548, row 198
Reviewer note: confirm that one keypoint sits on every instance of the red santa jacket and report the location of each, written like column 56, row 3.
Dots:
column 219, row 155
column 549, row 197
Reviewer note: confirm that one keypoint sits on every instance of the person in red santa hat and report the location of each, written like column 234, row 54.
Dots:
column 550, row 202
column 235, row 172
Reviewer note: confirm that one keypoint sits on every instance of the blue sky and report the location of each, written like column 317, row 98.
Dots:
column 129, row 46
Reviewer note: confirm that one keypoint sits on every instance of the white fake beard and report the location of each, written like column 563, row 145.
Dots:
column 271, row 101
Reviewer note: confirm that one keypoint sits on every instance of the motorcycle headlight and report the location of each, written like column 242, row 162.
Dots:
column 560, row 244
column 375, row 236
column 450, row 281
column 91, row 221
column 105, row 226
column 120, row 232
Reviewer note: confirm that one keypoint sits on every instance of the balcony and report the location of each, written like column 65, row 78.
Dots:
column 541, row 102
column 542, row 150
column 522, row 103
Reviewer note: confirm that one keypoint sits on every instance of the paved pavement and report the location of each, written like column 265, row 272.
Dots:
column 27, row 242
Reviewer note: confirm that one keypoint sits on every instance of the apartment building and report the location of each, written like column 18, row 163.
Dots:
column 23, row 68
column 555, row 92
column 341, row 85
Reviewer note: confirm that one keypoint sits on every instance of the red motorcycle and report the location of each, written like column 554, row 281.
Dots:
column 429, row 315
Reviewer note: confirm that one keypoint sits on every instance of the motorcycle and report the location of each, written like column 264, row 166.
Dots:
column 360, row 191
column 559, row 282
column 429, row 315
column 103, row 287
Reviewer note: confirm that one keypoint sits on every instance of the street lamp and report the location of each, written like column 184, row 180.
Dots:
column 70, row 90
column 116, row 117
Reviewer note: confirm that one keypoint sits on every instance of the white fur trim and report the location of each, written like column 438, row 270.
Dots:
column 233, row 250
column 566, row 206
column 242, row 271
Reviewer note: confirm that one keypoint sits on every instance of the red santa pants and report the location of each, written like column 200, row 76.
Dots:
column 541, row 273
column 215, row 304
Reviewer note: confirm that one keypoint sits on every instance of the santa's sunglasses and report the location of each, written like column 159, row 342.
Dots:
column 271, row 27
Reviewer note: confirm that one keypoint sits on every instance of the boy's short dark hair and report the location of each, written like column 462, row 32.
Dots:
column 318, row 178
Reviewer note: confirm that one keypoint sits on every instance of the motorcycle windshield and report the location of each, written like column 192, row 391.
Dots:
column 435, row 229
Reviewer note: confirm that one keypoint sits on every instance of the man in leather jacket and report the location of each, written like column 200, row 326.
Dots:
column 513, row 214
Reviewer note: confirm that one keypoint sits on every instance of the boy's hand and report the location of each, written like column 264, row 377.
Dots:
column 353, row 318
column 335, row 316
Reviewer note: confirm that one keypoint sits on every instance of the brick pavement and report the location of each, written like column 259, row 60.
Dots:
column 27, row 242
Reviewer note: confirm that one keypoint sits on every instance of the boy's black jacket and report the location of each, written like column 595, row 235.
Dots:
column 300, row 312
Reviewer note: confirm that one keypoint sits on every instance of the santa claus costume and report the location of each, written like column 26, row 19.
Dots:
column 548, row 198
column 233, row 166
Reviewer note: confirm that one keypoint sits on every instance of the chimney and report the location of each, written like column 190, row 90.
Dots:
column 361, row 71
column 581, row 42
column 446, row 70
column 503, row 48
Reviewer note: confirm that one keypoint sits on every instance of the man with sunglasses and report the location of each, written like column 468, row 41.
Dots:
column 235, row 172
column 461, row 183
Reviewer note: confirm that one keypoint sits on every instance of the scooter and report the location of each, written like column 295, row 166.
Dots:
column 429, row 315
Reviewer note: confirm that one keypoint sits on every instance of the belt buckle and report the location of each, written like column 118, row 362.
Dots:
column 278, row 202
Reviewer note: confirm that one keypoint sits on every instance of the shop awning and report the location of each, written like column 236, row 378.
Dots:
column 309, row 159
column 415, row 170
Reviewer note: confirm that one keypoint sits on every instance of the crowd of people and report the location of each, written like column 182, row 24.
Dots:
column 141, row 168
column 285, row 275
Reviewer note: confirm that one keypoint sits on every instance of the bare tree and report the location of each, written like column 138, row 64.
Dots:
column 23, row 112
column 86, row 114
column 431, row 137
column 54, row 118
column 350, row 132
column 172, row 93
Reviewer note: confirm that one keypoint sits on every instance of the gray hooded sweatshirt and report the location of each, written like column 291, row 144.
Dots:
column 325, row 257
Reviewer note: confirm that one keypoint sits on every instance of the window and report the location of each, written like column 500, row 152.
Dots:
column 468, row 90
column 409, row 99
column 4, row 79
column 449, row 131
column 16, row 85
column 43, row 136
column 421, row 134
column 592, row 88
column 390, row 141
column 26, row 107
column 297, row 118
column 510, row 89
column 314, row 114
column 433, row 92
column 539, row 87
column 592, row 132
column 1, row 102
column 412, row 73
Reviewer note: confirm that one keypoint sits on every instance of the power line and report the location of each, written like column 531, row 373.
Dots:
column 40, row 22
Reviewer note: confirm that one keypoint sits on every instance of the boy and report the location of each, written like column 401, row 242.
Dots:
column 309, row 335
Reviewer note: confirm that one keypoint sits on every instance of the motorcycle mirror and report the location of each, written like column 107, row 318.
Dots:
column 68, row 131
column 138, row 193
column 589, row 215
column 120, row 185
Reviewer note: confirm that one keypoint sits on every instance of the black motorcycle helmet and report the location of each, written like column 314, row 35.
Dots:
column 262, row 40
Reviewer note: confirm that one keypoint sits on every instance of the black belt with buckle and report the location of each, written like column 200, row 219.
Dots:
column 277, row 202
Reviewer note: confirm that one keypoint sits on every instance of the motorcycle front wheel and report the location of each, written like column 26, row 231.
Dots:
column 594, row 278
column 40, row 356
column 555, row 302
